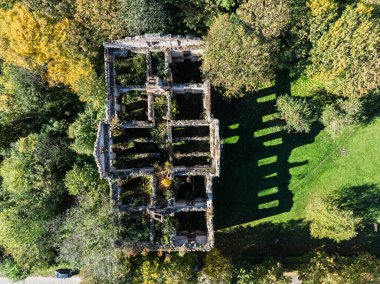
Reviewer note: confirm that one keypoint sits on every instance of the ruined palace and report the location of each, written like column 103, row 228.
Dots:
column 159, row 145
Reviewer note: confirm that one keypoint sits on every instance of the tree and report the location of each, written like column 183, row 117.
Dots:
column 84, row 130
column 361, row 269
column 144, row 16
column 33, row 198
column 334, row 269
column 237, row 59
column 347, row 56
column 336, row 116
column 30, row 41
column 88, row 237
column 24, row 91
column 174, row 270
column 320, row 268
column 52, row 10
column 270, row 271
column 296, row 112
column 362, row 200
column 26, row 94
column 329, row 221
column 84, row 179
column 296, row 41
column 268, row 19
column 193, row 16
column 226, row 4
column 217, row 268
column 323, row 14
column 11, row 270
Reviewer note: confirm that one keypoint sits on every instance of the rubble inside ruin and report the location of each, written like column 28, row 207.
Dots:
column 159, row 134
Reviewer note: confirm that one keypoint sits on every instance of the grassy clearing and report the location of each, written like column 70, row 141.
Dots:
column 268, row 176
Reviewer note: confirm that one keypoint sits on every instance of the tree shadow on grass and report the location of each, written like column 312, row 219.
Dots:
column 255, row 168
column 288, row 239
column 363, row 200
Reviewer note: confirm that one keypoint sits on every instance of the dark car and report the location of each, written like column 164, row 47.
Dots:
column 63, row 273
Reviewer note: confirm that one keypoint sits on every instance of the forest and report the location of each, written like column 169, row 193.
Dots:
column 296, row 87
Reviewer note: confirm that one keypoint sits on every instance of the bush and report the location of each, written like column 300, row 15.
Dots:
column 217, row 269
column 335, row 117
column 11, row 270
column 329, row 221
column 270, row 271
column 174, row 270
column 334, row 269
column 84, row 130
column 296, row 112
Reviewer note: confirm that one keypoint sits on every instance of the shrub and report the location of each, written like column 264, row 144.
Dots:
column 217, row 269
column 296, row 112
column 329, row 221
column 341, row 114
column 174, row 270
column 84, row 130
column 11, row 270
column 334, row 269
column 270, row 271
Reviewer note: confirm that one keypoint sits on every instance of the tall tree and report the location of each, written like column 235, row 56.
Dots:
column 173, row 270
column 269, row 19
column 323, row 14
column 84, row 130
column 34, row 198
column 270, row 271
column 321, row 267
column 217, row 268
column 236, row 58
column 328, row 221
column 347, row 56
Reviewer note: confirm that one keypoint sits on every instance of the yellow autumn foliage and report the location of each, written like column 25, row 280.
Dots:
column 321, row 7
column 29, row 41
column 166, row 182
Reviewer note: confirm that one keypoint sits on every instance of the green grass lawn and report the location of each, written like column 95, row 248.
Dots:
column 268, row 176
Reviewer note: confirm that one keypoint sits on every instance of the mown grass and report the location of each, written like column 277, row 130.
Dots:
column 268, row 176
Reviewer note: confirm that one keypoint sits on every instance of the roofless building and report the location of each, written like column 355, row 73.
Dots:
column 159, row 146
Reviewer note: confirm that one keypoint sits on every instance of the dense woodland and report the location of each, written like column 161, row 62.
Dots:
column 54, row 208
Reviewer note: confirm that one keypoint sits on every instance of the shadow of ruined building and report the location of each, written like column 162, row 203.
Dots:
column 159, row 147
column 255, row 167
column 288, row 239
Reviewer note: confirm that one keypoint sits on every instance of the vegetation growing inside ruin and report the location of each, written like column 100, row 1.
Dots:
column 302, row 66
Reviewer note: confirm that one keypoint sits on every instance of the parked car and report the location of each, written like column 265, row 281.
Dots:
column 63, row 273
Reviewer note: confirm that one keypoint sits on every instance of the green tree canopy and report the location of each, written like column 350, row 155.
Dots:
column 174, row 270
column 335, row 269
column 236, row 58
column 34, row 198
column 84, row 130
column 346, row 57
column 328, row 221
column 217, row 268
column 269, row 19
column 88, row 239
column 296, row 112
column 270, row 271
column 336, row 116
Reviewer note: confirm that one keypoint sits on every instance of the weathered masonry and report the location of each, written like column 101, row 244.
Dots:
column 159, row 147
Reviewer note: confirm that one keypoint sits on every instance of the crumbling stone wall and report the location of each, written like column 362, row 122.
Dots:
column 176, row 49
